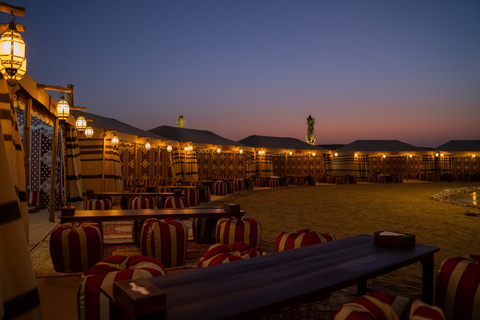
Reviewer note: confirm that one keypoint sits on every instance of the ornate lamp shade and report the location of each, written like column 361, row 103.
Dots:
column 63, row 109
column 147, row 145
column 12, row 55
column 115, row 141
column 81, row 124
column 89, row 132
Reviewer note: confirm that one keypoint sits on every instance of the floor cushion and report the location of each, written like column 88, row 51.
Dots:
column 301, row 238
column 232, row 229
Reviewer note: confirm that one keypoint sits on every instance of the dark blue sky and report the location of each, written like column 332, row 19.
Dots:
column 364, row 69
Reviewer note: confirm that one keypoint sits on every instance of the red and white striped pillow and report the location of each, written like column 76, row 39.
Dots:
column 233, row 229
column 301, row 238
column 221, row 253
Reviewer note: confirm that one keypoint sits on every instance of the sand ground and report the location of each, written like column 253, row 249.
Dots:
column 347, row 210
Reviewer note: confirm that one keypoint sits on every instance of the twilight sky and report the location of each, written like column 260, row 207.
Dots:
column 364, row 69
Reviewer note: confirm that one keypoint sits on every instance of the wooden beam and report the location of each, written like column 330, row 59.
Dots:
column 53, row 171
column 27, row 126
column 54, row 88
column 4, row 27
column 8, row 8
column 78, row 108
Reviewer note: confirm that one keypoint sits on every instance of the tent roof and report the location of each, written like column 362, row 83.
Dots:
column 113, row 124
column 194, row 136
column 460, row 145
column 278, row 142
column 379, row 145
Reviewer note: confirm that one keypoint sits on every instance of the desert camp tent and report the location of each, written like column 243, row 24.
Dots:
column 458, row 159
column 105, row 167
column 281, row 156
column 204, row 155
column 363, row 158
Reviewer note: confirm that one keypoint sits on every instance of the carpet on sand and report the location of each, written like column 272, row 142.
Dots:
column 116, row 234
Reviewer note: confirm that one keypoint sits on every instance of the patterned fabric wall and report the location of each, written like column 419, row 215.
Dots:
column 212, row 165
column 298, row 165
column 41, row 161
column 397, row 165
column 153, row 164
column 466, row 165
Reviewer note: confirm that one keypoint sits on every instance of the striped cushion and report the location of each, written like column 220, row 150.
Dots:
column 204, row 228
column 298, row 181
column 127, row 182
column 383, row 306
column 301, row 238
column 139, row 189
column 206, row 194
column 458, row 287
column 260, row 182
column 220, row 188
column 221, row 253
column 141, row 202
column 273, row 183
column 249, row 184
column 92, row 304
column 193, row 196
column 76, row 246
column 177, row 202
column 34, row 198
column 238, row 185
column 231, row 229
column 94, row 204
column 164, row 240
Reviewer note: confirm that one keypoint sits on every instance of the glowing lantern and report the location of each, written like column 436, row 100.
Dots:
column 169, row 148
column 313, row 154
column 63, row 109
column 384, row 156
column 12, row 55
column 219, row 150
column 240, row 151
column 410, row 155
column 81, row 124
column 335, row 154
column 89, row 132
column 290, row 153
column 115, row 141
column 147, row 145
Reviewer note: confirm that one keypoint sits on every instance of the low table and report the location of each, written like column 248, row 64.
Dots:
column 136, row 214
column 248, row 288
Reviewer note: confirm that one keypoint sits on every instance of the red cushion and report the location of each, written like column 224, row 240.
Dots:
column 232, row 229
column 221, row 253
column 301, row 238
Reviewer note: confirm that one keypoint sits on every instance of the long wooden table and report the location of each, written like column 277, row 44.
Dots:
column 248, row 288
column 136, row 214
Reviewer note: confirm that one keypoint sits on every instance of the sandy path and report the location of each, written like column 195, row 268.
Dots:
column 347, row 210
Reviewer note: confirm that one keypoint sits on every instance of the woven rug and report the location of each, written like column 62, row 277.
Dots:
column 114, row 232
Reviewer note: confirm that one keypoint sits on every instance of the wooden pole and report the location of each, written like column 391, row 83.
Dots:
column 27, row 127
column 135, row 162
column 103, row 161
column 8, row 8
column 53, row 171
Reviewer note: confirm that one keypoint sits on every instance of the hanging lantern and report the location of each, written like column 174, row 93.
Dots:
column 147, row 145
column 115, row 141
column 169, row 148
column 240, row 151
column 219, row 150
column 81, row 124
column 313, row 154
column 89, row 132
column 12, row 55
column 63, row 109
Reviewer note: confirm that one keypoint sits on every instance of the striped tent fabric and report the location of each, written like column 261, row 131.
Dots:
column 328, row 161
column 231, row 229
column 76, row 246
column 221, row 253
column 363, row 169
column 251, row 164
column 384, row 306
column 94, row 305
column 458, row 288
column 343, row 164
column 177, row 202
column 193, row 196
column 73, row 166
column 19, row 297
column 164, row 240
column 191, row 166
column 263, row 165
column 428, row 166
column 178, row 157
column 301, row 238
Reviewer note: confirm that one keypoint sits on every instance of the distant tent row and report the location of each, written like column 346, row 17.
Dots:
column 183, row 154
